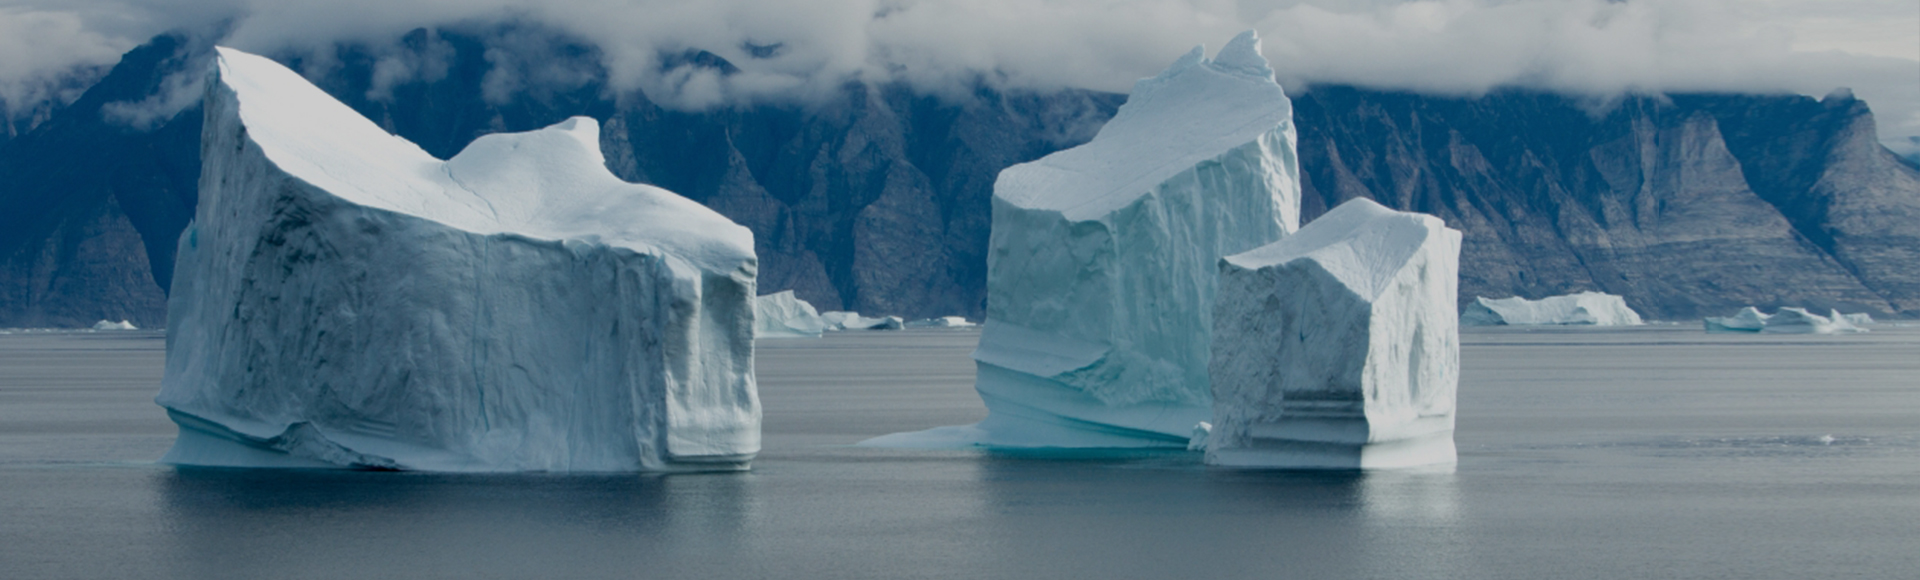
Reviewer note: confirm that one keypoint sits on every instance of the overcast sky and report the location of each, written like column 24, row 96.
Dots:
column 1587, row 47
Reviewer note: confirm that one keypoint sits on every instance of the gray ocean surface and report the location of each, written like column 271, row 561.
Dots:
column 1651, row 452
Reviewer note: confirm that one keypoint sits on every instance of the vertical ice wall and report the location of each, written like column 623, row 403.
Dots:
column 1339, row 347
column 1101, row 264
column 345, row 299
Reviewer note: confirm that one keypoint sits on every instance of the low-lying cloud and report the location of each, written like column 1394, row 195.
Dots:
column 797, row 50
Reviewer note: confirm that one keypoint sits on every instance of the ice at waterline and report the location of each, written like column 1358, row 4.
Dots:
column 344, row 299
column 1103, row 260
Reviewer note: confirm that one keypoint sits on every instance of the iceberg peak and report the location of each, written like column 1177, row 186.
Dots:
column 1242, row 55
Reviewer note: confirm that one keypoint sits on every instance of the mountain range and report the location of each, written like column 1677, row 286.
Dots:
column 875, row 198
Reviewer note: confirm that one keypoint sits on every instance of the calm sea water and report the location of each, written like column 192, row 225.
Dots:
column 1656, row 452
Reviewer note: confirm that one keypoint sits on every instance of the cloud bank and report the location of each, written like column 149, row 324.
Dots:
column 789, row 50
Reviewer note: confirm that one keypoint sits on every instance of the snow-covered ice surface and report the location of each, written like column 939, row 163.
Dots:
column 842, row 320
column 781, row 315
column 1787, row 321
column 1103, row 260
column 344, row 299
column 111, row 325
column 1338, row 347
column 1584, row 308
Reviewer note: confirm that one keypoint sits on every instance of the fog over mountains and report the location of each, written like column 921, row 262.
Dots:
column 873, row 195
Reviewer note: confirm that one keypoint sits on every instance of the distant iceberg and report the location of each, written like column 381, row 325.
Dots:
column 110, row 325
column 841, row 320
column 941, row 322
column 1585, row 308
column 344, row 299
column 1338, row 347
column 1104, row 259
column 1787, row 321
column 781, row 315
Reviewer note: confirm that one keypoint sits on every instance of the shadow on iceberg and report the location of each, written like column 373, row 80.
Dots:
column 342, row 298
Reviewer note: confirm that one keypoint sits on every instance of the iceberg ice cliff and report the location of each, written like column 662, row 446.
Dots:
column 781, row 315
column 344, row 299
column 1102, row 262
column 1584, row 308
column 1338, row 347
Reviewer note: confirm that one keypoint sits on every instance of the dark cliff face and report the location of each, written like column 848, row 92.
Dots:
column 89, row 210
column 1687, row 205
column 876, row 199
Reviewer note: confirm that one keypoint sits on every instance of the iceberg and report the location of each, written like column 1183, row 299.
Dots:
column 1102, row 262
column 1749, row 319
column 344, row 299
column 1584, row 308
column 111, row 325
column 942, row 322
column 842, row 320
column 1338, row 347
column 781, row 315
column 1786, row 321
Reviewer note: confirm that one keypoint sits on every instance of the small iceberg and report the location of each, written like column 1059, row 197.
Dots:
column 842, row 320
column 781, row 315
column 110, row 325
column 1584, row 308
column 1787, row 321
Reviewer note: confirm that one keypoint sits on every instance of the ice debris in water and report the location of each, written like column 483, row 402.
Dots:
column 1103, row 260
column 1339, row 347
column 344, row 299
column 781, row 315
column 111, row 325
column 1584, row 308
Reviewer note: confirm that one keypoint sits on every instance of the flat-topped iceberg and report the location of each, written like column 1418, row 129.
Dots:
column 1787, row 321
column 1338, row 347
column 1103, row 260
column 344, row 299
column 1584, row 308
column 842, row 320
column 941, row 322
column 781, row 315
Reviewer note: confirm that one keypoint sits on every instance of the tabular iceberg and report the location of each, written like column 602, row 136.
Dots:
column 344, row 299
column 1102, row 262
column 843, row 320
column 1787, row 321
column 1585, row 308
column 1338, row 347
column 781, row 315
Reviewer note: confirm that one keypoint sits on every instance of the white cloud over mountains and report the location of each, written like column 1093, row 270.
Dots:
column 786, row 49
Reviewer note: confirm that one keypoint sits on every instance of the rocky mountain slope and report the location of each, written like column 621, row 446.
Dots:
column 876, row 198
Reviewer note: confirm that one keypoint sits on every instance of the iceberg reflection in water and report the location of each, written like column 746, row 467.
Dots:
column 1655, row 451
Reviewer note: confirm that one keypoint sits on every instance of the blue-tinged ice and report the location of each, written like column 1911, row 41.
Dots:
column 781, row 315
column 1103, row 261
column 1338, row 347
column 344, row 299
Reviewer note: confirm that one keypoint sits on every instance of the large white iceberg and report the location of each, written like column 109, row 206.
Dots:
column 344, row 299
column 1584, row 308
column 1338, row 347
column 1787, row 321
column 1103, row 260
column 781, row 315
